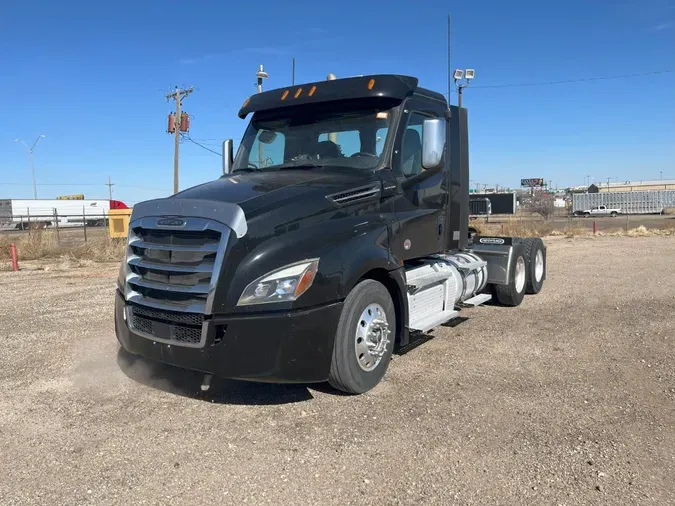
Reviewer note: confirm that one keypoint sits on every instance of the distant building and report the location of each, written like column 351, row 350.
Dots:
column 631, row 186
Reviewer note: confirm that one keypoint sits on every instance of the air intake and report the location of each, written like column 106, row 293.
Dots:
column 355, row 195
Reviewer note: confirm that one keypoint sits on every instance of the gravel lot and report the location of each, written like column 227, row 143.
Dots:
column 568, row 399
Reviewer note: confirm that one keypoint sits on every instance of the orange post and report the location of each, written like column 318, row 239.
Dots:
column 15, row 261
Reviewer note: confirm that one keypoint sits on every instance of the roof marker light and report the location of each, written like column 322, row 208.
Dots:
column 312, row 90
column 297, row 93
column 283, row 97
column 371, row 83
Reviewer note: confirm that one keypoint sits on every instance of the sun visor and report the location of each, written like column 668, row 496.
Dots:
column 394, row 87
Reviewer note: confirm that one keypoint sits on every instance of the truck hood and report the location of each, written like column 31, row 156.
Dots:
column 253, row 191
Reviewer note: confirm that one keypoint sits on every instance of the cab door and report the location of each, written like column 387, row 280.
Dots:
column 420, row 208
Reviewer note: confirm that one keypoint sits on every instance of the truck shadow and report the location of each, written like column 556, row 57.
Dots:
column 187, row 383
column 419, row 338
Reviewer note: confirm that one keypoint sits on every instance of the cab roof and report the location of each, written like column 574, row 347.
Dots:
column 383, row 86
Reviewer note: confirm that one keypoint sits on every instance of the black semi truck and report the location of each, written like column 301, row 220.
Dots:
column 337, row 234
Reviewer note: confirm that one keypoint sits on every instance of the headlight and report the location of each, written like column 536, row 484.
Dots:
column 282, row 285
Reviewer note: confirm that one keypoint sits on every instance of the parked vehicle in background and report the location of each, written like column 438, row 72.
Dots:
column 600, row 211
column 634, row 202
column 479, row 208
column 42, row 213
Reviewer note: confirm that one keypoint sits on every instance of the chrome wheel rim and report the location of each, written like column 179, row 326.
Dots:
column 371, row 337
column 520, row 274
column 539, row 266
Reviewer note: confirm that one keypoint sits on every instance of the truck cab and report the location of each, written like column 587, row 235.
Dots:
column 337, row 232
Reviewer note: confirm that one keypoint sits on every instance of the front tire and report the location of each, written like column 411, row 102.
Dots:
column 364, row 339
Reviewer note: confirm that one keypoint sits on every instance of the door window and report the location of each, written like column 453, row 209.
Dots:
column 409, row 162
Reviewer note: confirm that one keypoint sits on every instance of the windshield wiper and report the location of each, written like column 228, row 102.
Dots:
column 301, row 166
column 247, row 169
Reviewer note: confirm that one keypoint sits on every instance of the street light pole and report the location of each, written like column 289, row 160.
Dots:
column 32, row 164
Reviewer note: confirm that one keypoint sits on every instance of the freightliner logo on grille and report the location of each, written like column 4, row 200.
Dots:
column 170, row 222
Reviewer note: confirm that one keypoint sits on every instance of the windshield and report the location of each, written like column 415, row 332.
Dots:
column 315, row 138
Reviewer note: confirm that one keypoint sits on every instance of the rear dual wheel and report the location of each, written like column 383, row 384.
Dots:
column 535, row 260
column 513, row 293
column 364, row 340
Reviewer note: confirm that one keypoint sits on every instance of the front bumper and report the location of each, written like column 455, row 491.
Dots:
column 288, row 347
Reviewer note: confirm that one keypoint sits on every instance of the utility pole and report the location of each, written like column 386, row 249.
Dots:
column 608, row 183
column 110, row 184
column 178, row 95
column 30, row 156
column 332, row 136
column 260, row 75
column 293, row 74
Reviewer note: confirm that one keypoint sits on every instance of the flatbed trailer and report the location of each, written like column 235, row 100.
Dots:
column 318, row 251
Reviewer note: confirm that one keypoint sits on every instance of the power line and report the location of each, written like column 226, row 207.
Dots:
column 187, row 137
column 569, row 81
column 87, row 184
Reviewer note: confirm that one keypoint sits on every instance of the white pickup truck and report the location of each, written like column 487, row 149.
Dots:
column 600, row 211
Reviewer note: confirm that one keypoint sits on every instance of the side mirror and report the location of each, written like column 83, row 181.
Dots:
column 433, row 142
column 227, row 156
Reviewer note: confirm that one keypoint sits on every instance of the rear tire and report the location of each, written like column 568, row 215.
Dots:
column 535, row 261
column 364, row 339
column 514, row 293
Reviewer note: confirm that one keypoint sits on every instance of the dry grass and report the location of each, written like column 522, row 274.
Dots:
column 527, row 228
column 40, row 245
column 670, row 211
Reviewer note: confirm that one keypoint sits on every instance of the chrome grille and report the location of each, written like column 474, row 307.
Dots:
column 172, row 271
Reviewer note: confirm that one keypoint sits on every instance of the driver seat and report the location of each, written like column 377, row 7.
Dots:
column 411, row 153
column 327, row 149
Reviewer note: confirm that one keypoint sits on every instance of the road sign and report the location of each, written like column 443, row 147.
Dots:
column 532, row 182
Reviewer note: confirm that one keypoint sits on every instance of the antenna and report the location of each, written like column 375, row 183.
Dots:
column 449, row 67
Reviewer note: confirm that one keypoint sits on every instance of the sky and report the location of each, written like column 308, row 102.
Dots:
column 92, row 76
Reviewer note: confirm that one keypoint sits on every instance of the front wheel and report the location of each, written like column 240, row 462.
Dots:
column 364, row 339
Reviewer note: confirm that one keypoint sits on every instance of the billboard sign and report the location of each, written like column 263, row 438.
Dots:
column 532, row 182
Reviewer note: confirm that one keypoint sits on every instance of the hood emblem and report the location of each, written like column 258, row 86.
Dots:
column 170, row 222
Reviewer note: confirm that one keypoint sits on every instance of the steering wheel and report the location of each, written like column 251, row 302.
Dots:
column 363, row 153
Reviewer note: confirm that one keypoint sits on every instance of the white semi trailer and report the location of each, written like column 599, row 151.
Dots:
column 636, row 202
column 43, row 213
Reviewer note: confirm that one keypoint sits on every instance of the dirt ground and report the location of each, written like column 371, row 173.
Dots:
column 568, row 399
